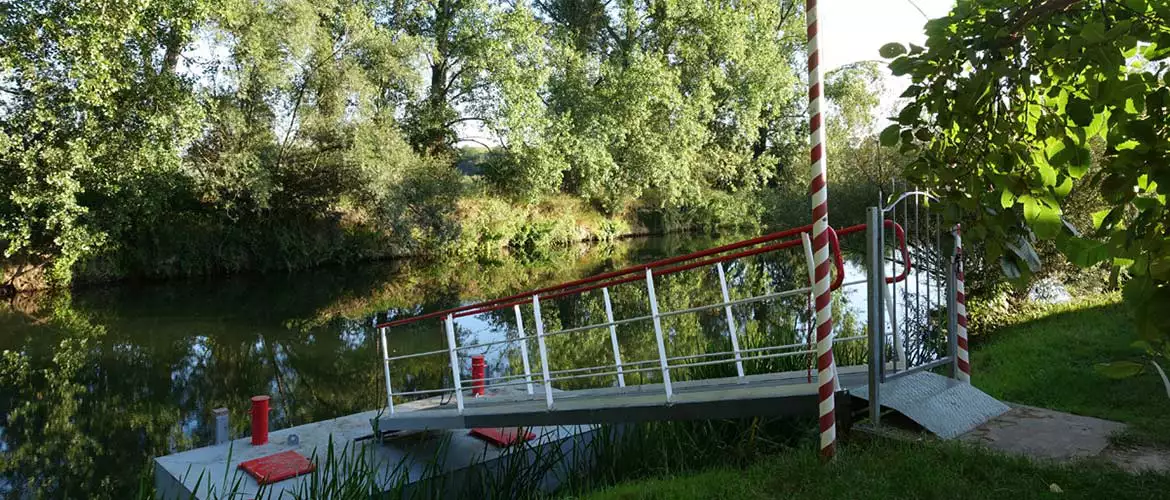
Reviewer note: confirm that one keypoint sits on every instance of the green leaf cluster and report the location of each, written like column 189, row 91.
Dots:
column 1015, row 106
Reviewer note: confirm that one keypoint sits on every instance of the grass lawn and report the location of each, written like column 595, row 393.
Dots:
column 890, row 469
column 1046, row 359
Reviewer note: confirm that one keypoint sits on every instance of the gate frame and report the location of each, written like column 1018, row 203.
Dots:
column 876, row 282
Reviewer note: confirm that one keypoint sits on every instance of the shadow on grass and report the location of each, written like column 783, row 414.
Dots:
column 1048, row 360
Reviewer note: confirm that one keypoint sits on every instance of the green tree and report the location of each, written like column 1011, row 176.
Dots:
column 91, row 123
column 673, row 103
column 1007, row 102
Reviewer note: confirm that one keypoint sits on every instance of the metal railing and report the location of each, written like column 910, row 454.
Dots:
column 664, row 364
column 923, row 336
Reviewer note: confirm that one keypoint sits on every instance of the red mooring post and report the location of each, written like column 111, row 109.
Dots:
column 478, row 373
column 259, row 420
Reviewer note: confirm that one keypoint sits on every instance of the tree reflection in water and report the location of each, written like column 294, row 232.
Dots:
column 94, row 383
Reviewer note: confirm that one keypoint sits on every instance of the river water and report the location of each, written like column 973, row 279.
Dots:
column 94, row 383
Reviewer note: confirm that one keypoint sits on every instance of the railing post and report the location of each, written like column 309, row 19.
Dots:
column 617, row 353
column 658, row 336
column 523, row 347
column 900, row 359
column 952, row 319
column 548, row 397
column 875, row 254
column 731, row 328
column 386, row 370
column 450, row 323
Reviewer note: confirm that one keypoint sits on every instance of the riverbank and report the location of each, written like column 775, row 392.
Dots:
column 479, row 226
column 1045, row 357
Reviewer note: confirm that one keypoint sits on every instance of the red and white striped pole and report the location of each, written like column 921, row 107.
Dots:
column 820, row 211
column 964, row 361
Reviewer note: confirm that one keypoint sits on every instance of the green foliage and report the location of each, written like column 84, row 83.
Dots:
column 613, row 79
column 91, row 117
column 1007, row 104
column 180, row 137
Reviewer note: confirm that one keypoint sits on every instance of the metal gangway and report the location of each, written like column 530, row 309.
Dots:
column 916, row 363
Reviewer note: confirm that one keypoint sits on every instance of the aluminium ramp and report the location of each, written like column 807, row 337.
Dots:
column 943, row 406
column 755, row 395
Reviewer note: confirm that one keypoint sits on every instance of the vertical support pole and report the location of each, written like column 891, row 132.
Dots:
column 952, row 319
column 895, row 334
column 548, row 397
column 386, row 371
column 893, row 295
column 941, row 262
column 221, row 425
column 658, row 336
column 924, row 262
column 820, row 215
column 963, row 357
column 875, row 254
column 914, row 243
column 523, row 347
column 450, row 324
column 617, row 353
column 731, row 328
column 907, row 321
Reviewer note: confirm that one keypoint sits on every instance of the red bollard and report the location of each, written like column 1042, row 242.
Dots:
column 259, row 420
column 478, row 369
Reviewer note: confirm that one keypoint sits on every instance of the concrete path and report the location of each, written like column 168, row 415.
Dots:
column 1063, row 437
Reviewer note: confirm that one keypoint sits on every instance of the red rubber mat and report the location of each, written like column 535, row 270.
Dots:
column 503, row 436
column 278, row 467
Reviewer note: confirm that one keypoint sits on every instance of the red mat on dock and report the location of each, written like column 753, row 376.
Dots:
column 278, row 467
column 503, row 436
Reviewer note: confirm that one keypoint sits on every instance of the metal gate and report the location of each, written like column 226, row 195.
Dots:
column 914, row 323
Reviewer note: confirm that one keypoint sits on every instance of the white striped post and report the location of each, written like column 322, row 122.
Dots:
column 964, row 357
column 808, row 255
column 820, row 213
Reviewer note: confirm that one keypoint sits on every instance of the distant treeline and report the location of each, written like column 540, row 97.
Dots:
column 178, row 137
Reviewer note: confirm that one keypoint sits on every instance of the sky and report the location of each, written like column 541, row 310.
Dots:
column 854, row 30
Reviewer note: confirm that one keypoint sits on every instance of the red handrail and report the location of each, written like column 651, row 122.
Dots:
column 658, row 272
column 592, row 282
column 612, row 274
column 899, row 233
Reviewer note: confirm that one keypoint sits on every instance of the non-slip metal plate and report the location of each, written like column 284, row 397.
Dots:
column 941, row 405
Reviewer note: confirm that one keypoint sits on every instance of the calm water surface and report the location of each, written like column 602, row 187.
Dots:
column 95, row 382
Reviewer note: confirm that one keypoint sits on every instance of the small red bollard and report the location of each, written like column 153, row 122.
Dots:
column 259, row 420
column 478, row 370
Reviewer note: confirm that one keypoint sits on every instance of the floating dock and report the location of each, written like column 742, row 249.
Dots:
column 398, row 462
